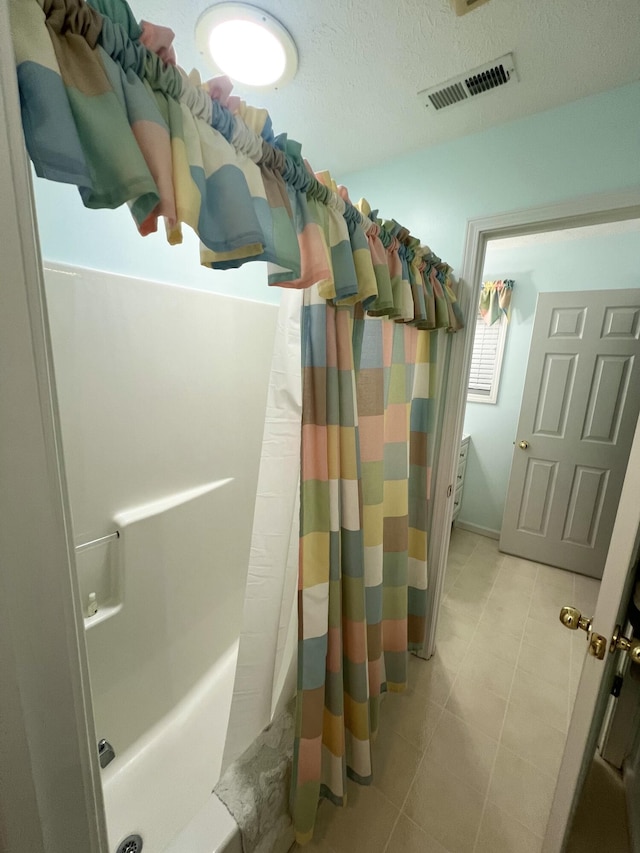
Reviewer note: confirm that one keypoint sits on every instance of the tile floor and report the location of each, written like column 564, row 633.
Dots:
column 466, row 760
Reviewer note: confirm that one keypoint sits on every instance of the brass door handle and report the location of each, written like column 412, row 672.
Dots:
column 624, row 644
column 573, row 619
column 523, row 445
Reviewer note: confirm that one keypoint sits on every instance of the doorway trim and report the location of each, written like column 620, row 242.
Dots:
column 50, row 791
column 587, row 210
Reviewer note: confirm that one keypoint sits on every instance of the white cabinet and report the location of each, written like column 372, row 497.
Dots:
column 459, row 481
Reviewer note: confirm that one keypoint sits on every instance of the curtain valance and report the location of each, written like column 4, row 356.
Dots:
column 495, row 300
column 105, row 107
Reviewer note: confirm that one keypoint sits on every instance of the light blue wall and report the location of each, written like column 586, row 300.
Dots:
column 589, row 146
column 593, row 263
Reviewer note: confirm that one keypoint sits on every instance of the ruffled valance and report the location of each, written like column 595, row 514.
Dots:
column 495, row 300
column 105, row 107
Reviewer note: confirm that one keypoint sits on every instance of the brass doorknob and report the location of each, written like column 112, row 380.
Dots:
column 523, row 445
column 573, row 619
column 624, row 644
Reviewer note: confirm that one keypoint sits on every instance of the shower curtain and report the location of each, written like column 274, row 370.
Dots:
column 366, row 418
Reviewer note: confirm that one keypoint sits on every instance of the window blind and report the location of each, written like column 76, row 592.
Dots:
column 484, row 357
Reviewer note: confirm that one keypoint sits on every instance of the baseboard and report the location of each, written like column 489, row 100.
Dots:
column 476, row 528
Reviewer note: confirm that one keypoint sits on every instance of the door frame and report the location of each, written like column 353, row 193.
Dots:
column 50, row 791
column 587, row 210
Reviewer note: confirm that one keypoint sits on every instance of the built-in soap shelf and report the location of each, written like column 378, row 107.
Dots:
column 100, row 559
column 98, row 564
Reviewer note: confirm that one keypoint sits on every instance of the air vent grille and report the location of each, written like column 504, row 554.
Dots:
column 448, row 96
column 496, row 76
column 500, row 72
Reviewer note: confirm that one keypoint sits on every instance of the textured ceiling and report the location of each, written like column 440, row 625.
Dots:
column 353, row 102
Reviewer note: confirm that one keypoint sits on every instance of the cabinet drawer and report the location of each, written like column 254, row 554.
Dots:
column 460, row 473
column 464, row 449
column 457, row 501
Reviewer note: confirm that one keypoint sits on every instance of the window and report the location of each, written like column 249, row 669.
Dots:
column 486, row 361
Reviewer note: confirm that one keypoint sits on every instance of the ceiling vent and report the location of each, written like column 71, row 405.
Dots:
column 500, row 72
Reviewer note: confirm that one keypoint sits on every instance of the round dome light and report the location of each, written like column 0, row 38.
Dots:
column 247, row 45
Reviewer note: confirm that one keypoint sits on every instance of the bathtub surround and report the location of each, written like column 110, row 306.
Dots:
column 144, row 374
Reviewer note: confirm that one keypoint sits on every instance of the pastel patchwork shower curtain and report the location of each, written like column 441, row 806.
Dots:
column 363, row 546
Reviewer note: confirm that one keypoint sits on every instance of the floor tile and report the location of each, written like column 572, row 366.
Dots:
column 548, row 612
column 465, row 601
column 453, row 623
column 545, row 636
column 486, row 571
column 517, row 566
column 319, row 843
column 463, row 539
column 464, row 751
column 314, row 846
column 408, row 837
column 559, row 578
column 395, row 762
column 451, row 651
column 488, row 543
column 545, row 593
column 484, row 560
column 450, row 578
column 522, row 791
column 575, row 673
column 364, row 826
column 460, row 550
column 548, row 664
column 455, row 562
column 518, row 583
column 500, row 833
column 445, row 807
column 586, row 594
column 478, row 707
column 480, row 667
column 491, row 639
column 545, row 701
column 510, row 598
column 430, row 678
column 510, row 618
column 475, row 584
column 532, row 739
column 410, row 715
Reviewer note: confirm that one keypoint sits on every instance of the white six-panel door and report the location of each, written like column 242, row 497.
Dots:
column 579, row 409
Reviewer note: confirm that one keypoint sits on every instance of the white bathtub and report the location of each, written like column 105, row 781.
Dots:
column 160, row 788
column 165, row 660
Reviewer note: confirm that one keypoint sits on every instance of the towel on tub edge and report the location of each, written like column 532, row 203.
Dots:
column 255, row 788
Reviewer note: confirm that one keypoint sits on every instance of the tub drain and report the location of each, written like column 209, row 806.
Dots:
column 131, row 844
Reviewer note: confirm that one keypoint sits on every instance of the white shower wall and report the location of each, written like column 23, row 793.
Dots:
column 162, row 392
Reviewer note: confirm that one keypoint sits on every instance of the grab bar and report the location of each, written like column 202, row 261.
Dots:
column 100, row 540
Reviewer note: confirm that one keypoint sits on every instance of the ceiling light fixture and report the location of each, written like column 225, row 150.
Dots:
column 247, row 45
